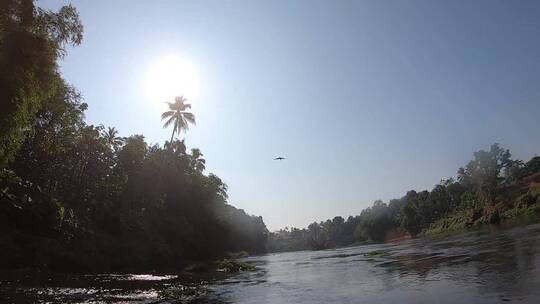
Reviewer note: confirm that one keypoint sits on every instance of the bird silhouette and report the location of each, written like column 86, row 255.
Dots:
column 279, row 158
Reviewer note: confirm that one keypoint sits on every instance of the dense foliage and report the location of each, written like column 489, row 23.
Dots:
column 491, row 188
column 78, row 197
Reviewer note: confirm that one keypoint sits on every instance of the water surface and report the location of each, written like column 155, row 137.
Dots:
column 488, row 266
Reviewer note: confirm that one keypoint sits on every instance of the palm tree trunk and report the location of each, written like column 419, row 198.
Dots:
column 170, row 143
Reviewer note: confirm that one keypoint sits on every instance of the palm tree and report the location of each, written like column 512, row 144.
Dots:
column 197, row 162
column 178, row 116
column 111, row 137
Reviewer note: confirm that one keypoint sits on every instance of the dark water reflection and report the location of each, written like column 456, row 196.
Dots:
column 481, row 267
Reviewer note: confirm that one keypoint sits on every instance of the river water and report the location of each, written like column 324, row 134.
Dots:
column 488, row 266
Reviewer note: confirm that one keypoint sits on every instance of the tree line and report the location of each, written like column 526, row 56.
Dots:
column 492, row 188
column 75, row 196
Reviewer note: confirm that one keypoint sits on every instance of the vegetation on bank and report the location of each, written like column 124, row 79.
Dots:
column 492, row 188
column 77, row 197
column 224, row 265
column 182, row 294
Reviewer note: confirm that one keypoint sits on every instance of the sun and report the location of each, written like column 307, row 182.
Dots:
column 172, row 76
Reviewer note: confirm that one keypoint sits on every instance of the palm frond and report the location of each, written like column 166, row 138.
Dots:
column 189, row 117
column 167, row 114
column 177, row 127
column 180, row 99
column 182, row 124
column 172, row 106
column 169, row 122
column 178, row 116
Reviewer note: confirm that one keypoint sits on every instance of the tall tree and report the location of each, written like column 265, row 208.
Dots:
column 31, row 40
column 111, row 137
column 484, row 173
column 197, row 162
column 178, row 116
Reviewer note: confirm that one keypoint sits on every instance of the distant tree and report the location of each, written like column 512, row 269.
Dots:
column 197, row 162
column 318, row 237
column 177, row 147
column 375, row 222
column 218, row 187
column 532, row 166
column 483, row 174
column 111, row 137
column 132, row 155
column 178, row 116
column 411, row 218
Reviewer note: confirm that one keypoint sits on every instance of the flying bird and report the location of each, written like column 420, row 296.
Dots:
column 279, row 158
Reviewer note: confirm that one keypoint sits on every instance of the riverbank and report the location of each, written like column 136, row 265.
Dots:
column 525, row 210
column 166, row 286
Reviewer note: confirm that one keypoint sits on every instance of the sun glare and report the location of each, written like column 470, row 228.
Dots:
column 171, row 76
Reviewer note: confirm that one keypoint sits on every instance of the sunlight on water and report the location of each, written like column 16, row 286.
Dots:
column 478, row 267
column 149, row 277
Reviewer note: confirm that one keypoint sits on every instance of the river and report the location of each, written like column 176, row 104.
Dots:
column 487, row 266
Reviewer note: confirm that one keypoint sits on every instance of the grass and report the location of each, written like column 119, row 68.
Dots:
column 182, row 293
column 227, row 265
column 454, row 223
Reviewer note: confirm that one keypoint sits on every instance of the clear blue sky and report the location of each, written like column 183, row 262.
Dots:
column 366, row 99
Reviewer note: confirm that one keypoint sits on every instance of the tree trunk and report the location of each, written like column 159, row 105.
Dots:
column 170, row 143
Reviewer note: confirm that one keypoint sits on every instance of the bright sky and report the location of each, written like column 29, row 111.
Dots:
column 365, row 99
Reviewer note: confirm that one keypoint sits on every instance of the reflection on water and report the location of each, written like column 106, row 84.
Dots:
column 102, row 288
column 478, row 267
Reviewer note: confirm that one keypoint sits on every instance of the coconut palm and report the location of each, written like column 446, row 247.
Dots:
column 197, row 162
column 111, row 137
column 178, row 116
